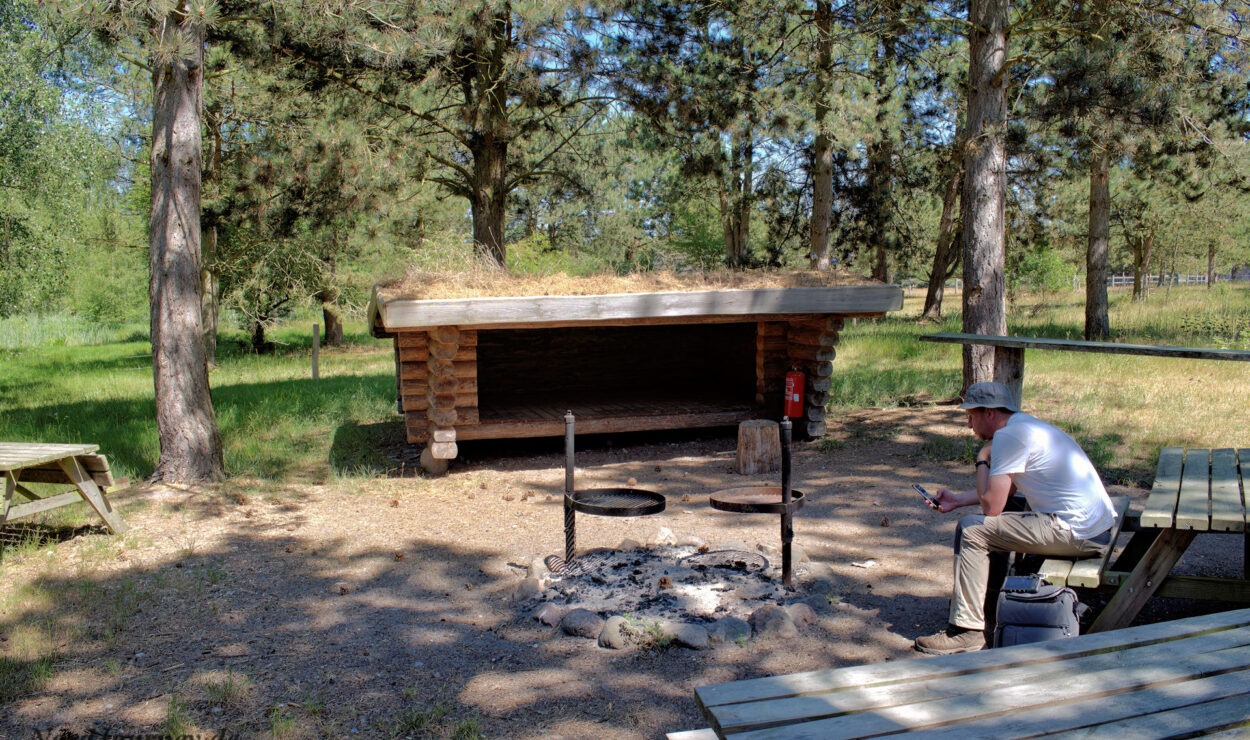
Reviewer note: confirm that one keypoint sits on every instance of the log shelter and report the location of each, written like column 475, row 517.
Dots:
column 510, row 367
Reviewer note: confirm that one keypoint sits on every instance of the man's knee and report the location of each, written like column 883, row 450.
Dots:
column 966, row 531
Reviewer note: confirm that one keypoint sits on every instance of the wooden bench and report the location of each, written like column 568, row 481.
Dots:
column 1085, row 572
column 1182, row 678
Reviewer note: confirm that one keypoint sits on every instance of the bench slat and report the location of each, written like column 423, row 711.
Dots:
column 1193, row 505
column 707, row 733
column 97, row 467
column 1226, row 511
column 1085, row 572
column 1161, row 504
column 1055, row 571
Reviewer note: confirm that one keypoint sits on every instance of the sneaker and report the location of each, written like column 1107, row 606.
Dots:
column 951, row 640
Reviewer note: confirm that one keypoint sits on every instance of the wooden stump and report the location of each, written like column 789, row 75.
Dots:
column 759, row 447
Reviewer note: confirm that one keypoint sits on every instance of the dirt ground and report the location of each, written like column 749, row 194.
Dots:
column 383, row 608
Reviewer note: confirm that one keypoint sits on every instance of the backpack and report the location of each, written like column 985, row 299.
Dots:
column 1030, row 610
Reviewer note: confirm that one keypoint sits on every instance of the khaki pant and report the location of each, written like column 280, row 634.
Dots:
column 978, row 537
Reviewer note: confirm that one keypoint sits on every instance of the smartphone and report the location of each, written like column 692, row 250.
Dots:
column 928, row 498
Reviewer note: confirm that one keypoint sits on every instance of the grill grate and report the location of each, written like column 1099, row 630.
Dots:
column 617, row 501
column 584, row 565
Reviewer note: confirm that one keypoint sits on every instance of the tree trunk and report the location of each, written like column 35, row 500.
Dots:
column 1142, row 247
column 1210, row 264
column 880, row 164
column 333, row 323
column 946, row 255
column 259, row 345
column 822, row 149
column 489, row 198
column 985, row 186
column 488, row 144
column 210, row 306
column 1097, row 325
column 186, row 425
column 735, row 199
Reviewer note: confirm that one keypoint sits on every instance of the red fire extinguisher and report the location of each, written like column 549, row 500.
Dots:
column 794, row 394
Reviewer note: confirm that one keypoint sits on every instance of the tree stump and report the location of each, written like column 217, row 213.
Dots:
column 759, row 447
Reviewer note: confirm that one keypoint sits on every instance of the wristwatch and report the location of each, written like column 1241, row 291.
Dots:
column 986, row 463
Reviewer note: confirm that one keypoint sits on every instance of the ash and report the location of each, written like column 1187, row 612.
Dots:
column 678, row 583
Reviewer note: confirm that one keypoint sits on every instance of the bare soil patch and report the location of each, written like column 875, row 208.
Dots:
column 384, row 608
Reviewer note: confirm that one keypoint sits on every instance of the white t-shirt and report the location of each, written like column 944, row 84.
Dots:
column 1053, row 472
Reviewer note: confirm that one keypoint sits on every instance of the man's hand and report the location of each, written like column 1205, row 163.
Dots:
column 948, row 500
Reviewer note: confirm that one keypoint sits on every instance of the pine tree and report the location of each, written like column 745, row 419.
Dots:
column 171, row 34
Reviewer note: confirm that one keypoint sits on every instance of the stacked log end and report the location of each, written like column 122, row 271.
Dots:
column 810, row 347
column 438, row 386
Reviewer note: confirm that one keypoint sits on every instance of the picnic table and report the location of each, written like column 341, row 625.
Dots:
column 1180, row 678
column 75, row 464
column 1195, row 491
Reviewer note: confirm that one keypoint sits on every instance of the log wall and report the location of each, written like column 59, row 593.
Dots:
column 466, row 383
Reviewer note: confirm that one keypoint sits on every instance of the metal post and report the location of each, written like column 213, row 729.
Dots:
column 570, row 514
column 787, row 517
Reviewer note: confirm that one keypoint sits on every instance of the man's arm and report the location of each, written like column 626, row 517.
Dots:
column 992, row 490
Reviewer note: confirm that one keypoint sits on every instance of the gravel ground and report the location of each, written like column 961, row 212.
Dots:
column 387, row 608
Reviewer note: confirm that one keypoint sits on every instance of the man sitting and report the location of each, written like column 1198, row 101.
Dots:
column 1071, row 514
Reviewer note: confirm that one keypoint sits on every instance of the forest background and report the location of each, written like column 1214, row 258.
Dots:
column 339, row 144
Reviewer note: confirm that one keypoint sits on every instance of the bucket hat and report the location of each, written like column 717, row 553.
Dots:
column 989, row 395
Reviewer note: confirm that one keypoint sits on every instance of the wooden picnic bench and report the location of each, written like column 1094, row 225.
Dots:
column 1181, row 678
column 1085, row 572
column 78, row 465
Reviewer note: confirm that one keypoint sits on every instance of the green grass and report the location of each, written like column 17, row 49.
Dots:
column 277, row 423
column 1122, row 408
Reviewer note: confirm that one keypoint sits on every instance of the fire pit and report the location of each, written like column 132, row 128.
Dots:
column 597, row 501
column 769, row 500
column 671, row 582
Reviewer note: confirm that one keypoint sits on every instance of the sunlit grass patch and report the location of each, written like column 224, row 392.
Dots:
column 1123, row 408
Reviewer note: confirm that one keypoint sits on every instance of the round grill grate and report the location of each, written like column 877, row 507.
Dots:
column 585, row 564
column 740, row 560
column 617, row 501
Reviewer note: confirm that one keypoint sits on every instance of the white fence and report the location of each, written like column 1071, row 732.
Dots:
column 1125, row 280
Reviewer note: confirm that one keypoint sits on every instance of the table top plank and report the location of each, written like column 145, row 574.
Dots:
column 1193, row 504
column 1035, row 701
column 1167, row 711
column 18, row 455
column 1161, row 504
column 951, row 666
column 1079, row 345
column 1190, row 720
column 1227, row 514
column 739, row 717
